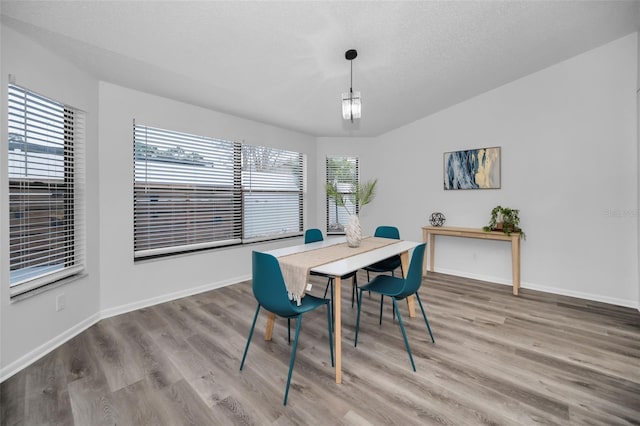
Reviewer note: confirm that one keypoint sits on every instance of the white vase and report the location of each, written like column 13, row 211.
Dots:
column 354, row 232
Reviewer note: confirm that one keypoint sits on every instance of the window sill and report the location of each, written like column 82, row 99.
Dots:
column 30, row 293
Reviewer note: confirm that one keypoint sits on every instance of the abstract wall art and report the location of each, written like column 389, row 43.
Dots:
column 472, row 169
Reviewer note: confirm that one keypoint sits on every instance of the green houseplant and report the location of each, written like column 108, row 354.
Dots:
column 505, row 219
column 360, row 195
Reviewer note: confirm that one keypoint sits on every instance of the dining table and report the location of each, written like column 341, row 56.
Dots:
column 339, row 260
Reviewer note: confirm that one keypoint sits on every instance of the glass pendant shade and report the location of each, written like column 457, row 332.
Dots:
column 351, row 101
column 351, row 105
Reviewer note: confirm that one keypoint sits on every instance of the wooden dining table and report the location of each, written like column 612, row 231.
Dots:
column 340, row 267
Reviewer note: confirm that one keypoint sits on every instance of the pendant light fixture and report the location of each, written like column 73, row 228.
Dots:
column 351, row 102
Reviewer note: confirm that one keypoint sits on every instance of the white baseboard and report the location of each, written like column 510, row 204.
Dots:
column 581, row 295
column 110, row 312
column 546, row 289
column 68, row 334
column 45, row 348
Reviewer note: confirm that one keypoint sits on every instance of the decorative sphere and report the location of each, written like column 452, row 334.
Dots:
column 437, row 219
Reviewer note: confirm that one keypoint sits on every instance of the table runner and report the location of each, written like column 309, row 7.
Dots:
column 295, row 267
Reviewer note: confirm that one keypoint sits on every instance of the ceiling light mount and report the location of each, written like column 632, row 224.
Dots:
column 351, row 54
column 351, row 101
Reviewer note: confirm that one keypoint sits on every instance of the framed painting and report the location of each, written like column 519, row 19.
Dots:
column 472, row 169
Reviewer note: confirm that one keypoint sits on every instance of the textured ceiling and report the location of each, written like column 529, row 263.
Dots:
column 283, row 63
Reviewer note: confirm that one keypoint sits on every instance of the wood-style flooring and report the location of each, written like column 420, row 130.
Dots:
column 498, row 359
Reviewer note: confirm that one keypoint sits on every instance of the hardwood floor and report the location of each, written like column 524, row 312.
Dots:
column 498, row 359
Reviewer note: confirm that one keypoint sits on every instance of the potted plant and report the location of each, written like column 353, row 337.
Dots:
column 505, row 219
column 360, row 195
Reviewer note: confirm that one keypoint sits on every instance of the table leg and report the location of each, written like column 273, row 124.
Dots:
column 338, row 327
column 404, row 260
column 425, row 238
column 432, row 251
column 515, row 263
column 271, row 320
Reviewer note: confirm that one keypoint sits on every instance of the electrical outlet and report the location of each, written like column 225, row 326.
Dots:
column 61, row 302
column 309, row 286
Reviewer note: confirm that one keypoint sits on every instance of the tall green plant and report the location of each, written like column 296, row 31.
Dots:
column 361, row 194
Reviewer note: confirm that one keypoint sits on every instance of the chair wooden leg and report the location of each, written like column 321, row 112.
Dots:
column 246, row 348
column 330, row 327
column 404, row 333
column 426, row 321
column 293, row 357
column 358, row 318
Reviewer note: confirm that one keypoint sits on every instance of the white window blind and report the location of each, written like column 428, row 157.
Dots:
column 46, row 184
column 187, row 192
column 343, row 172
column 273, row 191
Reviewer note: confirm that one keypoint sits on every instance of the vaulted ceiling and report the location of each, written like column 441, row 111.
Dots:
column 282, row 62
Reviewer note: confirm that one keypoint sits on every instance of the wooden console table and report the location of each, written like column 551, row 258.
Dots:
column 430, row 232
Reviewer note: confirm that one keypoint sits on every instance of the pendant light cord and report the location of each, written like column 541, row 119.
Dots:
column 351, row 92
column 351, row 83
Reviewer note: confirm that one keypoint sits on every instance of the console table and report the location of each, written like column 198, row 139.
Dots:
column 429, row 233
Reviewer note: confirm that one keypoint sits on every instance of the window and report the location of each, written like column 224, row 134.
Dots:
column 46, row 227
column 186, row 192
column 193, row 192
column 272, row 182
column 344, row 174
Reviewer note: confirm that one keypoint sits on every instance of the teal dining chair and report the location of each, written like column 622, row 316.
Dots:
column 270, row 291
column 398, row 289
column 387, row 265
column 392, row 263
column 313, row 235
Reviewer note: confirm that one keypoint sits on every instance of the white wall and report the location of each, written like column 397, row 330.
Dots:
column 127, row 285
column 31, row 327
column 569, row 163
